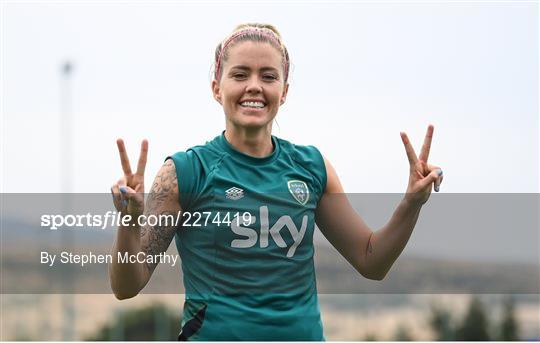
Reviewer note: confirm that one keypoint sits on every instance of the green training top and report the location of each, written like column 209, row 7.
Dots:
column 247, row 242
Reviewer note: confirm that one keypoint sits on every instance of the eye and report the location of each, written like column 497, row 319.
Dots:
column 269, row 77
column 239, row 76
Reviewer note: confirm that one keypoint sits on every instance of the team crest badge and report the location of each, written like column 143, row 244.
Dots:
column 299, row 191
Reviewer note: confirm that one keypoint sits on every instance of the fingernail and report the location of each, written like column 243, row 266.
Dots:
column 125, row 202
column 439, row 172
column 123, row 189
column 436, row 188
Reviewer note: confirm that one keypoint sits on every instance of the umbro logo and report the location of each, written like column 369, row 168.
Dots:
column 234, row 193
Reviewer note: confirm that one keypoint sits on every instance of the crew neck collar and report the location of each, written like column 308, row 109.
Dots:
column 248, row 158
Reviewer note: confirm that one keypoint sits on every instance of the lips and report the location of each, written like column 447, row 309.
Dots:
column 252, row 104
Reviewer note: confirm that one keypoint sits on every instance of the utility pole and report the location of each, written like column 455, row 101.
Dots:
column 66, row 173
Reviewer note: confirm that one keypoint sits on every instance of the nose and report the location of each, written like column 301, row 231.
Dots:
column 254, row 85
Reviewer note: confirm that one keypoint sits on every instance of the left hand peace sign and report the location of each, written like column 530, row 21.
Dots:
column 422, row 175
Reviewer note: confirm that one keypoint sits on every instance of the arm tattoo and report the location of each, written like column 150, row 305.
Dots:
column 156, row 239
column 369, row 246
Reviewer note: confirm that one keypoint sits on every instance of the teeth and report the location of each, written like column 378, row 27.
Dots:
column 255, row 104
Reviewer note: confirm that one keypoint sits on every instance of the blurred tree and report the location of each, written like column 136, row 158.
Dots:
column 508, row 330
column 154, row 322
column 402, row 334
column 370, row 337
column 441, row 323
column 474, row 326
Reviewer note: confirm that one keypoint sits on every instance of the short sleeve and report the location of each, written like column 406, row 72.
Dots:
column 186, row 173
column 311, row 158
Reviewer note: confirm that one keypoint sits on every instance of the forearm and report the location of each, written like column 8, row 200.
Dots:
column 386, row 244
column 127, row 279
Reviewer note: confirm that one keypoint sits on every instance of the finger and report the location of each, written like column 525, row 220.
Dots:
column 139, row 188
column 440, row 176
column 437, row 184
column 142, row 158
column 123, row 157
column 137, row 198
column 117, row 197
column 424, row 154
column 411, row 155
column 431, row 167
column 429, row 179
column 115, row 191
column 134, row 199
column 122, row 181
column 120, row 184
column 127, row 193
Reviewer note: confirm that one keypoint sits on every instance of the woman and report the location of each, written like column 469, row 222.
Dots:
column 248, row 270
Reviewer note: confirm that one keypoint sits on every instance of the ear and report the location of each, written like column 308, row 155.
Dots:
column 284, row 94
column 216, row 91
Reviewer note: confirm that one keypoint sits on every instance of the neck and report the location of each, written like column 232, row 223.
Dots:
column 256, row 142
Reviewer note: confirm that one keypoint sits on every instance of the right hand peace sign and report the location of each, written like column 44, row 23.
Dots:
column 421, row 174
column 128, row 191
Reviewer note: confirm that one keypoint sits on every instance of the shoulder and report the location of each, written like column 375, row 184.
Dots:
column 307, row 154
column 165, row 185
column 309, row 158
column 192, row 167
column 197, row 156
column 312, row 159
column 333, row 184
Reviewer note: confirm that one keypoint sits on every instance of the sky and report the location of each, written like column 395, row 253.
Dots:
column 362, row 72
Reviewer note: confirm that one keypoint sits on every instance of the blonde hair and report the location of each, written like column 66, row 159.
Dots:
column 254, row 32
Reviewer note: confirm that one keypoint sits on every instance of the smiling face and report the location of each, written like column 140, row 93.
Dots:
column 251, row 87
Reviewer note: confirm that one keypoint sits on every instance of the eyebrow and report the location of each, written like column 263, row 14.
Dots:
column 246, row 68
